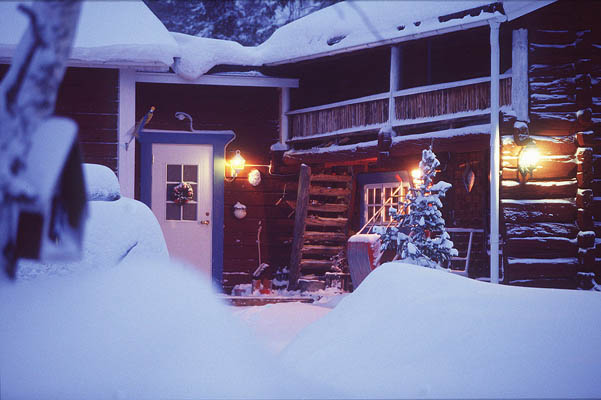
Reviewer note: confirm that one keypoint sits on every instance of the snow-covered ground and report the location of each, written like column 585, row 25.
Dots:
column 127, row 323
column 276, row 325
column 409, row 331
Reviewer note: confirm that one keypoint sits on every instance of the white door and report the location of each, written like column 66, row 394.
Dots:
column 187, row 227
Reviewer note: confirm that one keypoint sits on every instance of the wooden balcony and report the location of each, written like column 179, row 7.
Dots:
column 414, row 106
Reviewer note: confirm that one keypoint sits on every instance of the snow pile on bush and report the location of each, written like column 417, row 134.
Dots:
column 101, row 183
column 414, row 332
column 115, row 230
column 140, row 331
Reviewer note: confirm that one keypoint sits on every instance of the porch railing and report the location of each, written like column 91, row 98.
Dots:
column 412, row 105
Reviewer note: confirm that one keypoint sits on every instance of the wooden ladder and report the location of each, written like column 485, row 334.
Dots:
column 321, row 223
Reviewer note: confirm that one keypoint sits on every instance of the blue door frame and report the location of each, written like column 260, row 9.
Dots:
column 218, row 140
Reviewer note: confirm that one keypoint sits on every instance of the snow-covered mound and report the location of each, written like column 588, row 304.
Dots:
column 412, row 332
column 115, row 231
column 101, row 182
column 141, row 331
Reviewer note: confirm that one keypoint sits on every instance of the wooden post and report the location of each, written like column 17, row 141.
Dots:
column 302, row 201
column 519, row 79
column 395, row 80
column 494, row 151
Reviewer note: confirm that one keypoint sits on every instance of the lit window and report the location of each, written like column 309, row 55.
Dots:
column 379, row 197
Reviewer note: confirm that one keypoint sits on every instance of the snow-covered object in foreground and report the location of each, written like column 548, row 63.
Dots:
column 115, row 231
column 101, row 183
column 109, row 32
column 410, row 332
column 363, row 253
column 199, row 55
column 142, row 331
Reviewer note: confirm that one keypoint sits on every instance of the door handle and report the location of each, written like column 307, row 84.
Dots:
column 205, row 222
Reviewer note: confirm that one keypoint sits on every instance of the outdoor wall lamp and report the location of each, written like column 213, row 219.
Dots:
column 237, row 164
column 528, row 159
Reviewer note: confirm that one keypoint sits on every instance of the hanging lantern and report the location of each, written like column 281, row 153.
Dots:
column 528, row 159
column 469, row 178
column 237, row 163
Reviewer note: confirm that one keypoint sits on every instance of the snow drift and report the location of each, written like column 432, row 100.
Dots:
column 117, row 229
column 143, row 330
column 410, row 331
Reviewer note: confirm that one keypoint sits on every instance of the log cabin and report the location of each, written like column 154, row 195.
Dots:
column 354, row 92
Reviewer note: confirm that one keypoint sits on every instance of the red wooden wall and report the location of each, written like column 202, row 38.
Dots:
column 89, row 96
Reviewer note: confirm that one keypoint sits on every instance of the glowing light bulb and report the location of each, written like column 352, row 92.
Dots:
column 529, row 159
column 237, row 163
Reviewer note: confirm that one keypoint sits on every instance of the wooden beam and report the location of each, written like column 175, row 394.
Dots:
column 302, row 201
column 330, row 178
column 323, row 221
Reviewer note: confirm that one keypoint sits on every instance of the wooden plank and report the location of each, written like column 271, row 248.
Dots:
column 329, row 208
column 547, row 146
column 325, row 236
column 541, row 229
column 541, row 247
column 325, row 191
column 330, row 178
column 529, row 268
column 313, row 220
column 252, row 301
column 532, row 211
column 539, row 190
column 324, row 265
column 322, row 249
column 554, row 167
column 302, row 201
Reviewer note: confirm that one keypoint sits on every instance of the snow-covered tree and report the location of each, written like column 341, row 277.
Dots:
column 249, row 22
column 418, row 234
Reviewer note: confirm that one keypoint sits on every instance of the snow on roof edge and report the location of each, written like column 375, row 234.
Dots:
column 447, row 133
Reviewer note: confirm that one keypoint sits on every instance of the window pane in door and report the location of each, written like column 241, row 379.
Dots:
column 189, row 211
column 174, row 173
column 190, row 173
column 173, row 212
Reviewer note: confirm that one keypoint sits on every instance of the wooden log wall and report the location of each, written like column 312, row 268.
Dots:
column 90, row 96
column 253, row 114
column 550, row 218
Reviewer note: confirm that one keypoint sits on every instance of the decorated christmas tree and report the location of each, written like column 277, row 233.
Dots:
column 418, row 233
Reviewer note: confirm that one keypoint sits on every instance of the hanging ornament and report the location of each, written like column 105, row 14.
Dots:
column 469, row 178
column 182, row 193
column 254, row 177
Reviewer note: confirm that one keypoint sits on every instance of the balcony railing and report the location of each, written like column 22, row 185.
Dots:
column 411, row 106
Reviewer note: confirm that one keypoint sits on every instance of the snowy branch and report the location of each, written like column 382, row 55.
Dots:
column 27, row 97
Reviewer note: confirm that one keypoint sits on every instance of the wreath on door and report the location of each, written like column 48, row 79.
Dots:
column 182, row 193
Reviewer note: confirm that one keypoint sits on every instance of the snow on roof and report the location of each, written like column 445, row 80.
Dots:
column 349, row 25
column 346, row 25
column 109, row 32
column 372, row 144
column 199, row 55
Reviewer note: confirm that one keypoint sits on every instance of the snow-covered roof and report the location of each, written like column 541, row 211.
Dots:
column 116, row 33
column 109, row 32
column 352, row 25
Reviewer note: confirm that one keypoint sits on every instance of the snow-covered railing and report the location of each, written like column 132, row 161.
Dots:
column 418, row 103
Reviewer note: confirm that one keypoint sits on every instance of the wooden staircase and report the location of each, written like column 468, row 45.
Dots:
column 321, row 223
